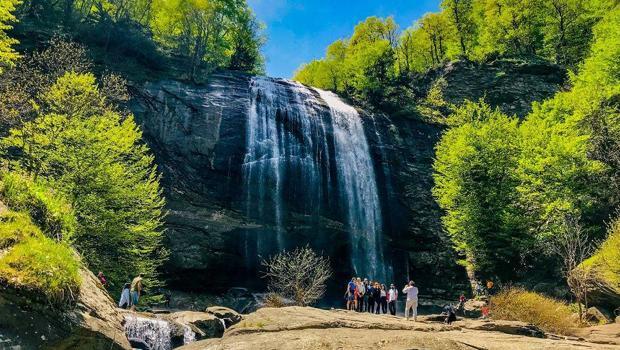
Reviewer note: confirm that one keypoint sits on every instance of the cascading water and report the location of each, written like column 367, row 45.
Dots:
column 356, row 176
column 155, row 333
column 286, row 140
column 305, row 158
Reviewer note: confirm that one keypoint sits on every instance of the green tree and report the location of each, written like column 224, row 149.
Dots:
column 460, row 16
column 7, row 53
column 207, row 31
column 361, row 66
column 475, row 184
column 82, row 147
column 508, row 27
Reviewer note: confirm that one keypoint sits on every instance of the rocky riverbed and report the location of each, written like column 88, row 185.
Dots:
column 310, row 328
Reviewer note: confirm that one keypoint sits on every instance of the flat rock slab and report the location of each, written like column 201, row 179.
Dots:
column 308, row 328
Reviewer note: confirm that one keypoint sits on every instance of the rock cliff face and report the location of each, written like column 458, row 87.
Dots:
column 255, row 165
column 92, row 323
column 510, row 84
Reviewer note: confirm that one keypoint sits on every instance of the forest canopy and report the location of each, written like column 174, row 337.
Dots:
column 203, row 34
column 378, row 56
column 526, row 183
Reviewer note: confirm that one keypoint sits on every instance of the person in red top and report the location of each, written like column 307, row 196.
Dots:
column 461, row 307
column 102, row 279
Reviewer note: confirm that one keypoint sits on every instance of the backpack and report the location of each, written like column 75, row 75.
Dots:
column 352, row 287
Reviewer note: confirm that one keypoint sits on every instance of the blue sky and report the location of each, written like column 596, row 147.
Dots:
column 299, row 31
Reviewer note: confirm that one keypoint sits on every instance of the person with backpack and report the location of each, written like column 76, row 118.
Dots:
column 392, row 296
column 350, row 294
column 136, row 291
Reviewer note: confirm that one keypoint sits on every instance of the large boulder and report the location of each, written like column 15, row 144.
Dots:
column 597, row 315
column 92, row 323
column 310, row 328
column 205, row 325
column 229, row 316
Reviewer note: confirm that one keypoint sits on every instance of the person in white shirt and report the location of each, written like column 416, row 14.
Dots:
column 412, row 300
column 391, row 298
column 125, row 301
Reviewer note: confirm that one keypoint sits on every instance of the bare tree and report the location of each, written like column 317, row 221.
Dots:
column 299, row 275
column 573, row 246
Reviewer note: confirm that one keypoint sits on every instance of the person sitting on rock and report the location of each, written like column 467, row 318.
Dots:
column 125, row 301
column 450, row 314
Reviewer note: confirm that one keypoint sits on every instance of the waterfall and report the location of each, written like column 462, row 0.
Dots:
column 155, row 333
column 286, row 139
column 304, row 158
column 356, row 177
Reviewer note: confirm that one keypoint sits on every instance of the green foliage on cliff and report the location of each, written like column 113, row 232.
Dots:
column 560, row 162
column 49, row 210
column 30, row 261
column 604, row 265
column 376, row 58
column 43, row 267
column 7, row 53
column 94, row 156
column 15, row 228
column 202, row 34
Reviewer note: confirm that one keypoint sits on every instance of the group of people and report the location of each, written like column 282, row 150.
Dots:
column 374, row 297
column 130, row 296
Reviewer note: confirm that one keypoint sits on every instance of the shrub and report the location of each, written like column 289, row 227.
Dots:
column 274, row 300
column 41, row 265
column 299, row 275
column 15, row 228
column 516, row 304
column 48, row 209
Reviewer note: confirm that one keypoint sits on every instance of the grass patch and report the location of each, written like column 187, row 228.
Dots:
column 42, row 266
column 550, row 315
column 15, row 228
column 48, row 209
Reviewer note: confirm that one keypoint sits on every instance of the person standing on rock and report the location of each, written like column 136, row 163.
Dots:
column 136, row 290
column 392, row 296
column 365, row 297
column 371, row 297
column 350, row 294
column 376, row 295
column 125, row 301
column 412, row 300
column 361, row 290
column 383, row 299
